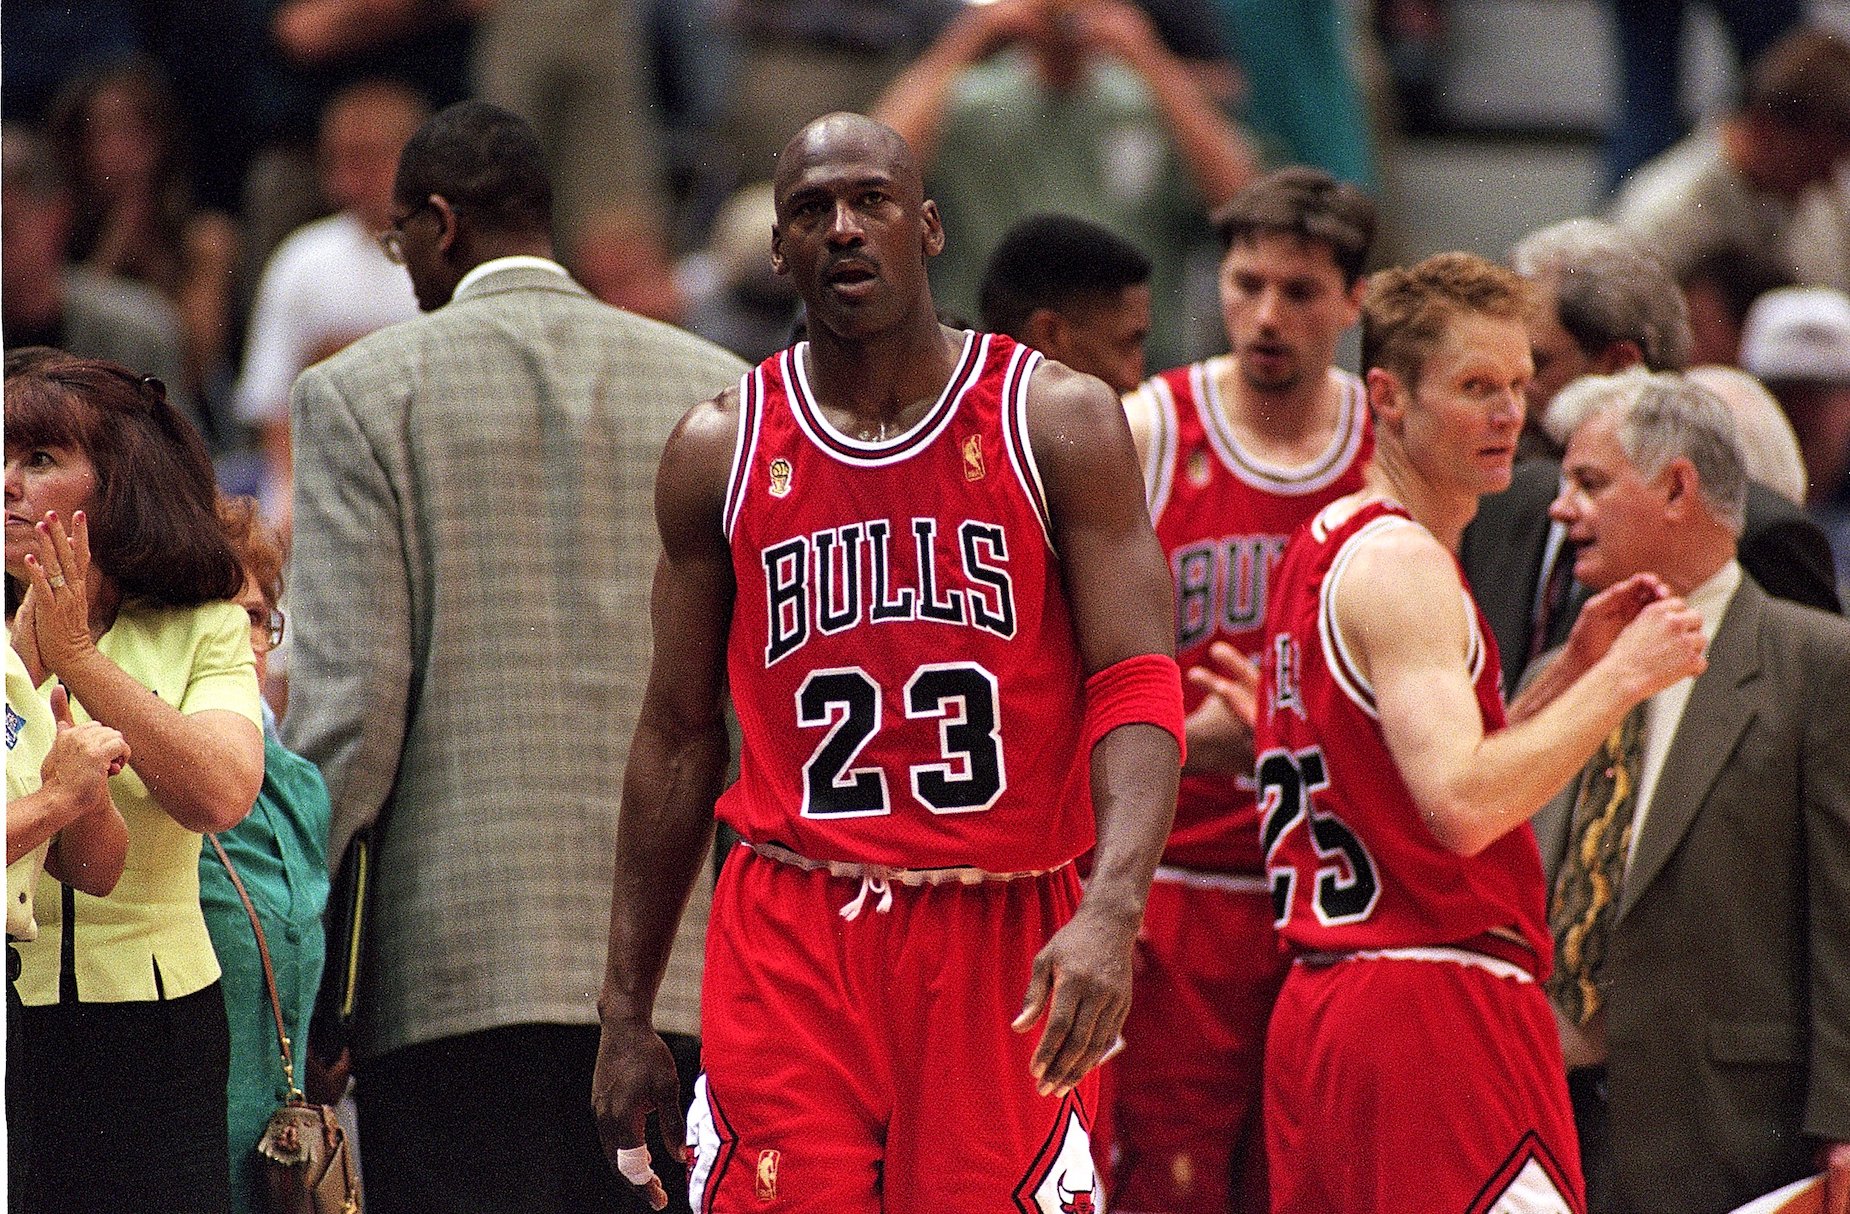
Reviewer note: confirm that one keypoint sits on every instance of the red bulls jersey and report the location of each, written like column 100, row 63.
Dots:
column 902, row 658
column 1223, row 517
column 1351, row 863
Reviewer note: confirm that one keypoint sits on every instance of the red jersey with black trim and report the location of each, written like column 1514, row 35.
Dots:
column 1352, row 864
column 902, row 657
column 1223, row 517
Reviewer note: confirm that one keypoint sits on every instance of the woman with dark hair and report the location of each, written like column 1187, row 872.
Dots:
column 281, row 854
column 118, row 133
column 111, row 527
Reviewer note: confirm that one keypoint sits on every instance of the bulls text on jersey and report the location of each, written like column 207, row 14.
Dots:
column 847, row 576
column 1221, row 584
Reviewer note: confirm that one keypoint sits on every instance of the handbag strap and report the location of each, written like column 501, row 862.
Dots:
column 269, row 974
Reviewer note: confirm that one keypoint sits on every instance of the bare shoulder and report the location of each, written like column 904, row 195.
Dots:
column 1400, row 584
column 697, row 461
column 1070, row 412
column 712, row 420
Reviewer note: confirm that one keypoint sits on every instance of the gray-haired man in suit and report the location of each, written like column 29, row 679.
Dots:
column 1700, row 875
column 473, row 552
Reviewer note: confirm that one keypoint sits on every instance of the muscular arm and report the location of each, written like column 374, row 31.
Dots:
column 1407, row 629
column 1118, row 586
column 1220, row 729
column 677, row 762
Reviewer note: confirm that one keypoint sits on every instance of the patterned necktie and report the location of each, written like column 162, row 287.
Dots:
column 1586, row 891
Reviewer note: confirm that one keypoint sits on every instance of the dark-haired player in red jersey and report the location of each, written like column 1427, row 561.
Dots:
column 920, row 561
column 1237, row 452
column 1412, row 1062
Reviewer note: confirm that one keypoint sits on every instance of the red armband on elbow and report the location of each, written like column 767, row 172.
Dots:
column 1145, row 689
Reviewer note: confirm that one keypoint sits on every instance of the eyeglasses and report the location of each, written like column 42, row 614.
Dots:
column 392, row 240
column 271, row 623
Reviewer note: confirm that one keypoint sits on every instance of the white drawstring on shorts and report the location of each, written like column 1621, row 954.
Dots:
column 880, row 879
column 869, row 885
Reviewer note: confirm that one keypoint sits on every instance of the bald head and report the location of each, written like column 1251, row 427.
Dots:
column 847, row 138
column 853, row 228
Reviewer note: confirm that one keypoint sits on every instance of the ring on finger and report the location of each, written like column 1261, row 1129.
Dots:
column 57, row 581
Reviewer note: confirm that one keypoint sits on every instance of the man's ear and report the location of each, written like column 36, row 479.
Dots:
column 1618, row 356
column 1386, row 396
column 1683, row 486
column 934, row 228
column 1045, row 330
column 447, row 233
column 778, row 264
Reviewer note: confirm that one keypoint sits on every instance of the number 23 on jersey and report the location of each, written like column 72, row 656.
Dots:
column 846, row 702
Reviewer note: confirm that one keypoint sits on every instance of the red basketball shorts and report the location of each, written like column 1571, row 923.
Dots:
column 1401, row 1085
column 868, row 1065
column 1186, row 1111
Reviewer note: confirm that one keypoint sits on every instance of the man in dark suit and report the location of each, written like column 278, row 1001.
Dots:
column 473, row 551
column 1700, row 870
column 1603, row 304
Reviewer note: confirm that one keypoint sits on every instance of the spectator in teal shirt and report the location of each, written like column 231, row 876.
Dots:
column 280, row 852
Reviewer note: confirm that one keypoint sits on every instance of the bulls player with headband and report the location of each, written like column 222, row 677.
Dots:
column 919, row 559
column 1237, row 451
column 1412, row 1058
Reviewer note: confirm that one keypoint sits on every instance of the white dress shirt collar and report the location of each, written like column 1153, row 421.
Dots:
column 520, row 261
column 1663, row 712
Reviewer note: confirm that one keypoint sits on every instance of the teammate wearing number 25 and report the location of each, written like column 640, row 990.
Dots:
column 920, row 560
column 1411, row 1059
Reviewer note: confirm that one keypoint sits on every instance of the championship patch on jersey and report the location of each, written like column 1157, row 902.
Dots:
column 974, row 469
column 1062, row 1179
column 1199, row 469
column 13, row 723
column 779, row 472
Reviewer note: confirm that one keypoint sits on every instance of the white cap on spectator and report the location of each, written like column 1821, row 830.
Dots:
column 1798, row 333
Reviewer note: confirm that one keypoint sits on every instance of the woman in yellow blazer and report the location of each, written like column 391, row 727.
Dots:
column 110, row 526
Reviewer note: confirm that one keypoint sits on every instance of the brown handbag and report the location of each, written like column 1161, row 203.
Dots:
column 308, row 1160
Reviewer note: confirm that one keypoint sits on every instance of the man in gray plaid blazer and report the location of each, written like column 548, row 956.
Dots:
column 473, row 552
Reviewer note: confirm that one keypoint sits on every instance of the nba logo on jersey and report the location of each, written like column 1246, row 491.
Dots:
column 974, row 469
column 1062, row 1180
column 780, row 477
column 1285, row 692
column 767, row 1175
column 13, row 723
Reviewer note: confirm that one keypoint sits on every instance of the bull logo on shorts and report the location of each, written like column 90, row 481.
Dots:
column 1074, row 1201
column 1061, row 1180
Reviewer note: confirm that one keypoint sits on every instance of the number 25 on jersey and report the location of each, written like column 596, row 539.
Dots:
column 1347, row 886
